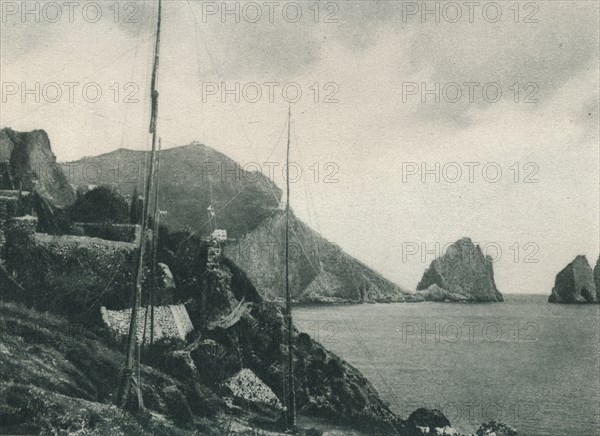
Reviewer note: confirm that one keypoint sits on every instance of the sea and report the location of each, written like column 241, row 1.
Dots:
column 525, row 362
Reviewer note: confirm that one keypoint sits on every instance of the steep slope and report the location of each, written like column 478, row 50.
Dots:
column 574, row 284
column 58, row 374
column 463, row 270
column 247, row 206
column 319, row 272
column 32, row 166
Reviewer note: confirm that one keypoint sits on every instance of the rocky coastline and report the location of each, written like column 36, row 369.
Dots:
column 225, row 376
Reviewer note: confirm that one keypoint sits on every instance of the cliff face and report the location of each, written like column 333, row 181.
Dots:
column 319, row 270
column 247, row 206
column 32, row 166
column 462, row 270
column 575, row 283
column 435, row 293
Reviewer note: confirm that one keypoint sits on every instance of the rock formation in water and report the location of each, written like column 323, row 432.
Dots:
column 28, row 163
column 462, row 271
column 575, row 283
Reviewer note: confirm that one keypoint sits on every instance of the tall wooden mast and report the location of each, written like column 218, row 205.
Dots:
column 290, row 401
column 155, row 230
column 130, row 378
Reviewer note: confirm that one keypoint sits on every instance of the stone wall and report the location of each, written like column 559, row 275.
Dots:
column 109, row 231
column 69, row 274
column 9, row 208
column 169, row 322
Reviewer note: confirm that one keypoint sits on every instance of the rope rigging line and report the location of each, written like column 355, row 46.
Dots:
column 310, row 202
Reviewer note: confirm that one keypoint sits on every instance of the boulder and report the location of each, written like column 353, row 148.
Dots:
column 431, row 418
column 574, row 284
column 167, row 281
column 246, row 386
column 462, row 270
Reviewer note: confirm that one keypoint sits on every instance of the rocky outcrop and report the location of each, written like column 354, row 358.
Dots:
column 574, row 284
column 326, row 386
column 32, row 166
column 462, row 271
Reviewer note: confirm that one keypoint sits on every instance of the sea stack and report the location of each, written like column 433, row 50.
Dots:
column 575, row 283
column 463, row 270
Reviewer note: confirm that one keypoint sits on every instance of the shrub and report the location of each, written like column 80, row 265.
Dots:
column 103, row 204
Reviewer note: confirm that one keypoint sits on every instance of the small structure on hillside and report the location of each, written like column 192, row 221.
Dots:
column 171, row 321
column 215, row 239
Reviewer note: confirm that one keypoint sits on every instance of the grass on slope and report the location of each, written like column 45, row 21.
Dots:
column 57, row 379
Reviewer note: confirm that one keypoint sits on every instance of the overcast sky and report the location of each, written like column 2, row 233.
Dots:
column 373, row 59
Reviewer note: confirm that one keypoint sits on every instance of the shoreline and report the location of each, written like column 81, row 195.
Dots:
column 326, row 302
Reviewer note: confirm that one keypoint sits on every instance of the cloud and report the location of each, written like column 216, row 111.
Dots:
column 369, row 54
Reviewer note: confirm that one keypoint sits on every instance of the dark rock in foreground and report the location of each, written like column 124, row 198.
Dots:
column 462, row 270
column 575, row 283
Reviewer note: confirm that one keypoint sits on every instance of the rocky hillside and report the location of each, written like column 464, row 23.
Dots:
column 575, row 283
column 60, row 376
column 462, row 271
column 247, row 206
column 28, row 163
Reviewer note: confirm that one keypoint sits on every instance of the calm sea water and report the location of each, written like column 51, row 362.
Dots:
column 526, row 362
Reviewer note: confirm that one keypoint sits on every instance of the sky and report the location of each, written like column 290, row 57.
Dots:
column 417, row 123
